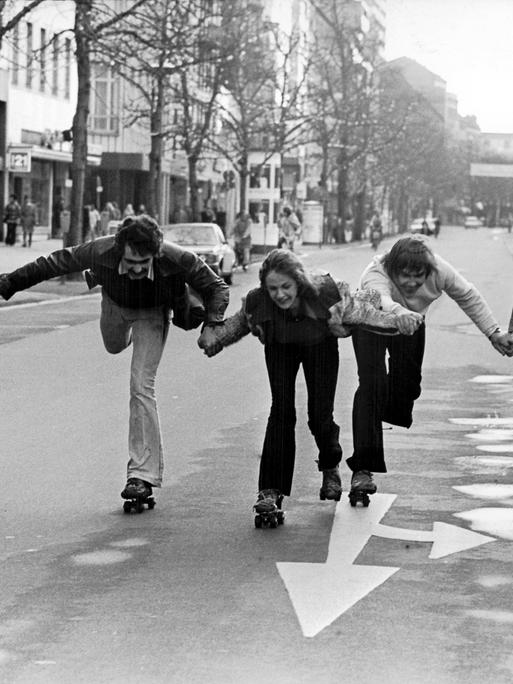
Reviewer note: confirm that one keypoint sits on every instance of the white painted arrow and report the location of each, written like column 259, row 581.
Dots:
column 321, row 592
column 446, row 538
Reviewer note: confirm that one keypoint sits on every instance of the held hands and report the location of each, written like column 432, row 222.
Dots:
column 502, row 342
column 209, row 343
column 408, row 322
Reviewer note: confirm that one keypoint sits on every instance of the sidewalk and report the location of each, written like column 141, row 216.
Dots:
column 12, row 257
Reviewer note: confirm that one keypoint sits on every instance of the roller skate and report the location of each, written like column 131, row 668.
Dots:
column 268, row 508
column 137, row 493
column 362, row 485
column 331, row 484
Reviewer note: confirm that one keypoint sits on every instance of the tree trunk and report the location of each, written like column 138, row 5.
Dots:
column 340, row 236
column 79, row 128
column 155, row 185
column 193, row 190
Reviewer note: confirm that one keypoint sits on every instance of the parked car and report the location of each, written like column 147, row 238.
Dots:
column 473, row 222
column 207, row 240
column 418, row 226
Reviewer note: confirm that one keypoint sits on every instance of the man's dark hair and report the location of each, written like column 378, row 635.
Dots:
column 410, row 253
column 141, row 233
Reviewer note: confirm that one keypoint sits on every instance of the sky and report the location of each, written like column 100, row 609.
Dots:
column 469, row 43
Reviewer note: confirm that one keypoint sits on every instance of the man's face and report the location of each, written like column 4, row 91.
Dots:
column 409, row 282
column 137, row 265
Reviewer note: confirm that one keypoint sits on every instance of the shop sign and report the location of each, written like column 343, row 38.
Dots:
column 19, row 159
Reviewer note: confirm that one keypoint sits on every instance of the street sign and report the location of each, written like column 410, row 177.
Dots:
column 19, row 159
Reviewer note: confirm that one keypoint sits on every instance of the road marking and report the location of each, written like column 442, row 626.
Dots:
column 321, row 592
column 44, row 302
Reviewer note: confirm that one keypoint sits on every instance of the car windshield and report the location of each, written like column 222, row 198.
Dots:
column 192, row 235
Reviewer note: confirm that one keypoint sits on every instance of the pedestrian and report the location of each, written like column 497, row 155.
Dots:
column 94, row 222
column 409, row 278
column 128, row 210
column 28, row 218
column 142, row 279
column 298, row 317
column 437, row 225
column 289, row 229
column 141, row 209
column 376, row 231
column 12, row 214
column 242, row 239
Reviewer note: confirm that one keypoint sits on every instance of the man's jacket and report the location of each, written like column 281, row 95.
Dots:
column 173, row 267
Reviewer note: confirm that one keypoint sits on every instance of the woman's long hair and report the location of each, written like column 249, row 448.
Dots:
column 287, row 263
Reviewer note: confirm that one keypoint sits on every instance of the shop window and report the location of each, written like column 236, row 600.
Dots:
column 55, row 65
column 104, row 100
column 42, row 61
column 15, row 69
column 30, row 56
column 256, row 209
column 260, row 176
column 67, row 67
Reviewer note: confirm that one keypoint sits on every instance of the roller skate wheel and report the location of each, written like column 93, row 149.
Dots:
column 127, row 506
column 258, row 521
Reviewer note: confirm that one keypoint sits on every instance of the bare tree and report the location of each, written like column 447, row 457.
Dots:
column 343, row 82
column 165, row 49
column 8, row 7
column 92, row 20
column 262, row 108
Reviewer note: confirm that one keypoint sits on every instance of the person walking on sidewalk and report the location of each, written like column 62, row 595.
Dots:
column 143, row 279
column 409, row 278
column 28, row 220
column 298, row 317
column 242, row 239
column 12, row 214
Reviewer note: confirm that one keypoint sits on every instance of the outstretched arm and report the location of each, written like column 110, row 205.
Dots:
column 69, row 260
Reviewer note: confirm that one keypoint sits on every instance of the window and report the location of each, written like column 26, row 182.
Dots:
column 259, row 176
column 42, row 62
column 67, row 67
column 104, row 100
column 55, row 65
column 30, row 56
column 16, row 54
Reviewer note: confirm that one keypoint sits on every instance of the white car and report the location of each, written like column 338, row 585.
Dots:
column 418, row 226
column 207, row 240
column 473, row 222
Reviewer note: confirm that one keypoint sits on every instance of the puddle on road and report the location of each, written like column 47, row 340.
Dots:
column 106, row 557
column 492, row 581
column 496, row 448
column 130, row 543
column 491, row 435
column 495, row 615
column 5, row 657
column 497, row 522
column 487, row 490
column 489, row 421
column 492, row 379
column 483, row 465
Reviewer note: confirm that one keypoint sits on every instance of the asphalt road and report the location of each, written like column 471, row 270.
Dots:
column 416, row 588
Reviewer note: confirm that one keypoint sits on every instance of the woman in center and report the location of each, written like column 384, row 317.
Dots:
column 298, row 316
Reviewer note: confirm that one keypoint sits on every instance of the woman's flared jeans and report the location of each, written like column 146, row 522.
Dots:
column 320, row 366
